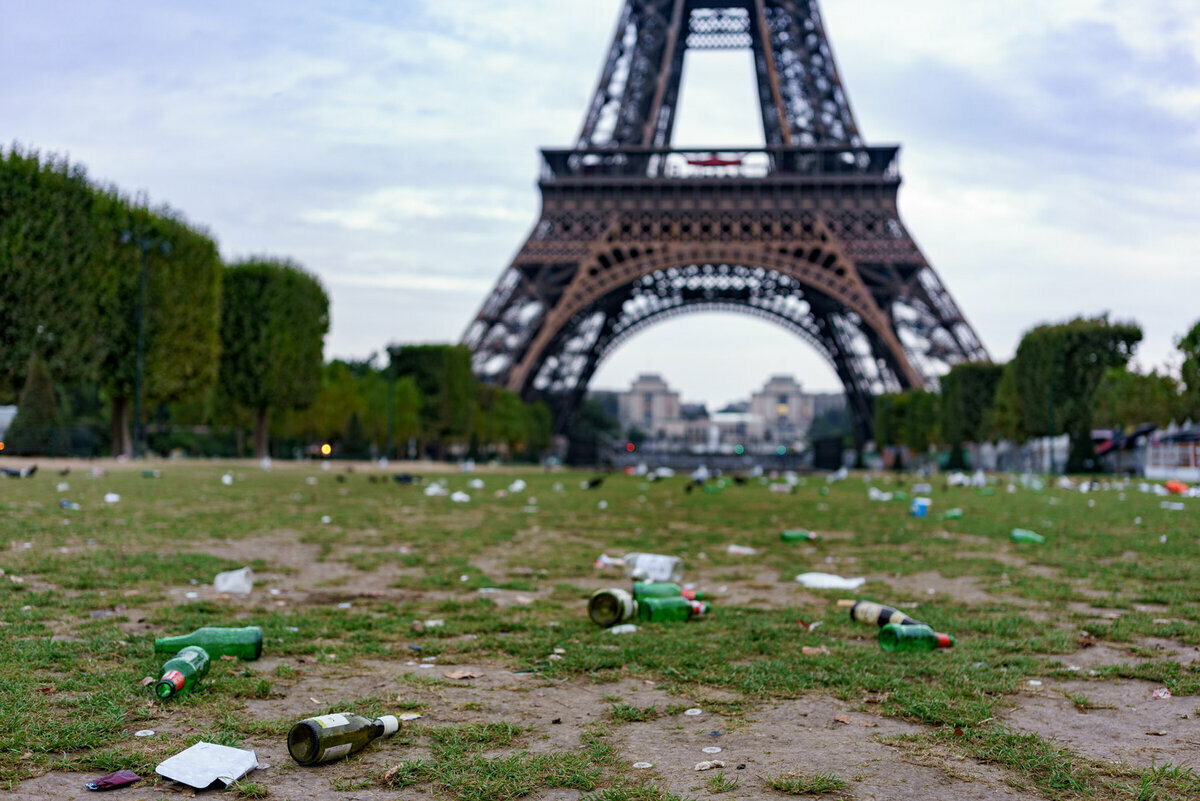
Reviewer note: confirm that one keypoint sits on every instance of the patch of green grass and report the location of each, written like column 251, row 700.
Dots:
column 627, row 713
column 804, row 783
column 720, row 782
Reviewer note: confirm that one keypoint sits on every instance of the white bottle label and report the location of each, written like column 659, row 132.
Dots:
column 329, row 721
column 336, row 751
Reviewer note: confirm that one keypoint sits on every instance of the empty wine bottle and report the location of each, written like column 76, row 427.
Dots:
column 330, row 737
column 611, row 606
column 663, row 589
column 244, row 643
column 182, row 671
column 893, row 637
column 875, row 614
column 670, row 610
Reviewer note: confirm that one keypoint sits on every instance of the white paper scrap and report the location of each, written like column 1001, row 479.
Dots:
column 205, row 763
column 828, row 581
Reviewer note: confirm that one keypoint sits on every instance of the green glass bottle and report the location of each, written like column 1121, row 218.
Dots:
column 611, row 606
column 799, row 535
column 663, row 589
column 670, row 610
column 1025, row 535
column 244, row 643
column 893, row 637
column 182, row 671
column 330, row 737
column 953, row 514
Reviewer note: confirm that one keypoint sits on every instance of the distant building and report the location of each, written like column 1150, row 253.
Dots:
column 785, row 410
column 648, row 406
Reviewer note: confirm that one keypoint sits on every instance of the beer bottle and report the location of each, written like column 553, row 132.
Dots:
column 875, row 614
column 330, row 737
column 182, row 671
column 663, row 589
column 893, row 637
column 244, row 643
column 799, row 535
column 670, row 610
column 1025, row 535
column 612, row 606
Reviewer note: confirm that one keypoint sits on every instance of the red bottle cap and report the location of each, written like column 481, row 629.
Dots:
column 944, row 640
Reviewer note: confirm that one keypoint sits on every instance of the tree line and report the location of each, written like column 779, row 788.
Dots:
column 1065, row 378
column 226, row 348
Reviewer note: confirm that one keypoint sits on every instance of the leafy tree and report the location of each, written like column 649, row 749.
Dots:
column 539, row 428
column 37, row 428
column 1189, row 345
column 1057, row 370
column 1126, row 399
column 968, row 392
column 500, row 419
column 446, row 387
column 354, row 439
column 1003, row 419
column 274, row 318
column 407, row 410
column 591, row 424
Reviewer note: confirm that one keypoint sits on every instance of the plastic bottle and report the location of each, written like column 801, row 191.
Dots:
column 1024, row 535
column 875, row 614
column 330, row 737
column 670, row 610
column 646, row 566
column 182, row 671
column 663, row 589
column 799, row 535
column 912, row 637
column 953, row 514
column 611, row 606
column 893, row 637
column 244, row 643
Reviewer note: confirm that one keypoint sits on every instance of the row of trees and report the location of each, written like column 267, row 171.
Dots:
column 1064, row 379
column 225, row 348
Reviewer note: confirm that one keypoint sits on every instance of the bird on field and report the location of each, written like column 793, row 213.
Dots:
column 595, row 482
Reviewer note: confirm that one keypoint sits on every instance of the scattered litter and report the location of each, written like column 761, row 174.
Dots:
column 227, row 479
column 460, row 497
column 462, row 674
column 1025, row 535
column 69, row 505
column 204, row 764
column 643, row 765
column 148, row 680
column 344, row 605
column 843, row 719
column 409, row 716
column 435, row 489
column 145, row 732
column 1173, row 506
column 709, row 764
column 191, row 595
column 920, row 507
column 434, row 623
column 63, row 486
column 828, row 581
column 239, row 581
column 326, row 519
column 1157, row 733
column 712, row 749
column 740, row 550
column 112, row 780
column 922, row 489
column 1034, row 683
column 517, row 486
column 799, row 534
column 604, row 505
column 475, row 484
column 878, row 495
column 1163, row 539
column 693, row 711
column 1161, row 693
column 812, row 650
column 112, row 497
column 624, row 628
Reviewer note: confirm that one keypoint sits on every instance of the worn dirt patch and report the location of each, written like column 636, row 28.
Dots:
column 1118, row 732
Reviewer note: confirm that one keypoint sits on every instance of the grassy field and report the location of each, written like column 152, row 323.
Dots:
column 1105, row 609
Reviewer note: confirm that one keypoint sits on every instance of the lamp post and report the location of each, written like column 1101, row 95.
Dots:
column 145, row 242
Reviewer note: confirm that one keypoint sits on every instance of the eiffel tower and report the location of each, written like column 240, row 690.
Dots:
column 803, row 232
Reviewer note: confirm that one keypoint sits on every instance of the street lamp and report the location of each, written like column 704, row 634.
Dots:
column 145, row 241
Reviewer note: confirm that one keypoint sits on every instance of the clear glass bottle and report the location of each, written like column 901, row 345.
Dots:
column 329, row 737
column 611, row 606
column 875, row 614
column 181, row 672
column 244, row 643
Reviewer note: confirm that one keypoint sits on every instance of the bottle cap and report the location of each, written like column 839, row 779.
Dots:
column 390, row 724
column 944, row 640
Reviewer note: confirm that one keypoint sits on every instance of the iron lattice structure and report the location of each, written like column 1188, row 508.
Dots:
column 804, row 232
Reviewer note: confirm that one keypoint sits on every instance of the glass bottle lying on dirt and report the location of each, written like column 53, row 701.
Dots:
column 893, row 637
column 663, row 589
column 244, row 643
column 875, row 614
column 182, row 672
column 329, row 737
column 612, row 606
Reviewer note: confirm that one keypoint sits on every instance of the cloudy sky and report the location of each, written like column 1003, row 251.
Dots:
column 1051, row 150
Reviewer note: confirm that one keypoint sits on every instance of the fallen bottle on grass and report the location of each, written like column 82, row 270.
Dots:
column 664, row 589
column 244, row 643
column 645, row 566
column 670, row 610
column 182, row 672
column 912, row 637
column 874, row 614
column 611, row 606
column 329, row 737
column 1025, row 535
